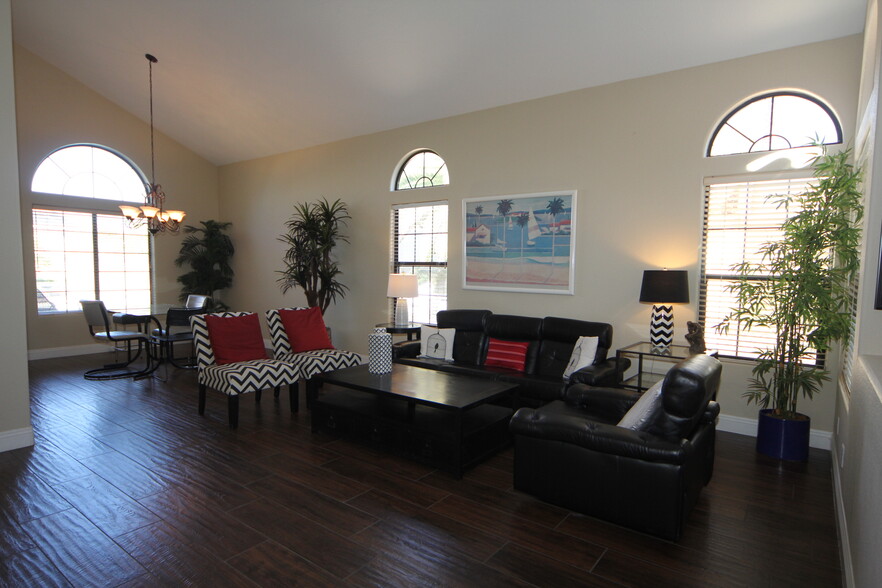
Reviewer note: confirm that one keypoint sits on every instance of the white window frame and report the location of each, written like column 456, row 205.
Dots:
column 94, row 206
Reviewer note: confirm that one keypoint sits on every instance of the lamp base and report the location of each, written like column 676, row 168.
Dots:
column 661, row 326
column 401, row 315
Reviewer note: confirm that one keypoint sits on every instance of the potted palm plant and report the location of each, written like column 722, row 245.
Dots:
column 313, row 231
column 207, row 251
column 804, row 300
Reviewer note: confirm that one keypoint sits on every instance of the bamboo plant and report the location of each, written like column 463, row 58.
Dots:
column 805, row 295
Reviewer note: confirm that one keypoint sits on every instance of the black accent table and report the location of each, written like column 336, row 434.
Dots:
column 409, row 329
column 446, row 420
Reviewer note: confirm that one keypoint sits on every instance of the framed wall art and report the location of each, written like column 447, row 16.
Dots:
column 521, row 243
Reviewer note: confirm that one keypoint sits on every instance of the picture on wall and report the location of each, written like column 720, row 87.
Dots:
column 522, row 243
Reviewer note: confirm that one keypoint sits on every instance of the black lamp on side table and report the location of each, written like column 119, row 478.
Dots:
column 663, row 288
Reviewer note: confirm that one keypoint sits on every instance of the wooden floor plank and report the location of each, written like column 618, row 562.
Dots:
column 81, row 551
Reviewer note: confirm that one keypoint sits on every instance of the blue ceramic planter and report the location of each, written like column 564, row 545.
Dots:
column 783, row 438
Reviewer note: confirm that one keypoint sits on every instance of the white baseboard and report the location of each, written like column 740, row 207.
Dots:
column 842, row 523
column 743, row 426
column 16, row 439
column 53, row 352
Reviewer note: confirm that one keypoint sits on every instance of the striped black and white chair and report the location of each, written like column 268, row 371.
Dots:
column 250, row 373
column 312, row 361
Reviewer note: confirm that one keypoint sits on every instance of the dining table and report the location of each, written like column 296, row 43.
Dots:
column 146, row 319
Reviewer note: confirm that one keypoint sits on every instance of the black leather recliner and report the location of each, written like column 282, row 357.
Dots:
column 572, row 453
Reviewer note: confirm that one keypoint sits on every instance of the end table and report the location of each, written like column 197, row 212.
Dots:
column 409, row 329
column 643, row 350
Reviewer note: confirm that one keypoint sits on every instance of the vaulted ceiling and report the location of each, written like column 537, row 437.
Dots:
column 240, row 79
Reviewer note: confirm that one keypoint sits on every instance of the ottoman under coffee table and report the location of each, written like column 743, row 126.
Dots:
column 449, row 421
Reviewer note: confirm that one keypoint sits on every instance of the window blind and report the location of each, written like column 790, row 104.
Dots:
column 739, row 217
column 84, row 255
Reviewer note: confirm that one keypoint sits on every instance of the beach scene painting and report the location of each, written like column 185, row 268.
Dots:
column 522, row 243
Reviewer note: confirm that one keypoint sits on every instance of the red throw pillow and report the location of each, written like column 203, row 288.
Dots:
column 508, row 354
column 306, row 329
column 235, row 338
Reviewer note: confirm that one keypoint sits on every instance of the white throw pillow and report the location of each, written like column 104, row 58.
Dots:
column 635, row 419
column 436, row 343
column 582, row 356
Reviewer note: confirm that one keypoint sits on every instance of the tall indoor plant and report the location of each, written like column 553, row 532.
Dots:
column 313, row 232
column 804, row 299
column 207, row 251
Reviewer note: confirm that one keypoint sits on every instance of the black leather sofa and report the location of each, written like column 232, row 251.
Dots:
column 551, row 344
column 571, row 453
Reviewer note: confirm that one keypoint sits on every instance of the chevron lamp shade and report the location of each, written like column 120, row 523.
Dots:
column 662, row 288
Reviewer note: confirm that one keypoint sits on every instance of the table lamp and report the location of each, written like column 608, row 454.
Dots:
column 662, row 288
column 401, row 287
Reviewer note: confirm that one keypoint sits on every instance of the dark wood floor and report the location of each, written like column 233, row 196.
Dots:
column 127, row 485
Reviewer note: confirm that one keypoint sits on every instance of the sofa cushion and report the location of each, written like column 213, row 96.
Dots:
column 582, row 356
column 517, row 328
column 558, row 337
column 470, row 341
column 507, row 354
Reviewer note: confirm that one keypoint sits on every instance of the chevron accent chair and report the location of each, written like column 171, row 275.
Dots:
column 310, row 363
column 235, row 379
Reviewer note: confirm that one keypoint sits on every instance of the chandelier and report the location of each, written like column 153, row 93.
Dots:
column 153, row 213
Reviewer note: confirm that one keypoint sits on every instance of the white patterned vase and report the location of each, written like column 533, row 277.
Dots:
column 380, row 352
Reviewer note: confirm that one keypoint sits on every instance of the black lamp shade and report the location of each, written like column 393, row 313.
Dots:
column 665, row 286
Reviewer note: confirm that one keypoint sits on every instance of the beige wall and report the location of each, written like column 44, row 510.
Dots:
column 633, row 150
column 15, row 416
column 54, row 110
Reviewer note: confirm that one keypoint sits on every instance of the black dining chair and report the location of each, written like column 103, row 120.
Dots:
column 176, row 330
column 196, row 301
column 98, row 319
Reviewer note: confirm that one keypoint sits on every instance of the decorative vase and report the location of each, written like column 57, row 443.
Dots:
column 380, row 352
column 786, row 439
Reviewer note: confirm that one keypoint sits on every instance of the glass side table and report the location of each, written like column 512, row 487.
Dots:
column 645, row 353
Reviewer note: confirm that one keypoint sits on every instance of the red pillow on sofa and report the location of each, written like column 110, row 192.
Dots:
column 235, row 338
column 508, row 354
column 306, row 329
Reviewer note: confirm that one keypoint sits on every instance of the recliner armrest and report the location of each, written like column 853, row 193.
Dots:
column 600, row 437
column 608, row 403
column 711, row 412
column 598, row 374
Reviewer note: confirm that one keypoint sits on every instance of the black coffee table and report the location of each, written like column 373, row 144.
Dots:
column 446, row 420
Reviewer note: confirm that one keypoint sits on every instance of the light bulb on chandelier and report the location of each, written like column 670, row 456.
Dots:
column 153, row 212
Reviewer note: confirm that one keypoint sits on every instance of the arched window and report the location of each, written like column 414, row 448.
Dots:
column 421, row 169
column 89, row 171
column 778, row 120
column 85, row 249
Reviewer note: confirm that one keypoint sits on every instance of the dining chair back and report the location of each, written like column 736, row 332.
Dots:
column 98, row 320
column 197, row 301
